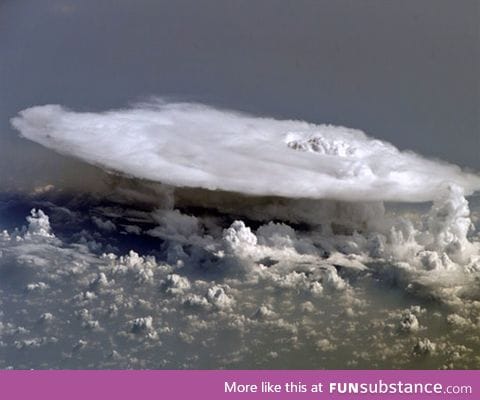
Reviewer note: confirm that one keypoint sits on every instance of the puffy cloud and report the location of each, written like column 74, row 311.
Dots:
column 39, row 225
column 409, row 322
column 142, row 325
column 239, row 237
column 217, row 296
column 246, row 294
column 176, row 284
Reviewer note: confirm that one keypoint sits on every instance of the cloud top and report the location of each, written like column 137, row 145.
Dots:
column 193, row 145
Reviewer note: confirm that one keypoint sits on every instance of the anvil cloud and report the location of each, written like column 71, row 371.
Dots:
column 194, row 145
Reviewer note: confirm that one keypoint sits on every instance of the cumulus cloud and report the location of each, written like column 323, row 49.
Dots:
column 39, row 224
column 193, row 145
column 69, row 307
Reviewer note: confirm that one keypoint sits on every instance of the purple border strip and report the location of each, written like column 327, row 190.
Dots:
column 146, row 385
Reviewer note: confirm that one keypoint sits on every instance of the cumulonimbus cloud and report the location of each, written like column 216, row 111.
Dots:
column 193, row 145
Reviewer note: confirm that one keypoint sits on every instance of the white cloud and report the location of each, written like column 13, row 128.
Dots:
column 246, row 295
column 193, row 145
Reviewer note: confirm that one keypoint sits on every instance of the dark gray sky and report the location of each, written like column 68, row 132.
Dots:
column 403, row 71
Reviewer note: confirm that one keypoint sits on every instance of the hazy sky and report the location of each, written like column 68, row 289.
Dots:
column 403, row 71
